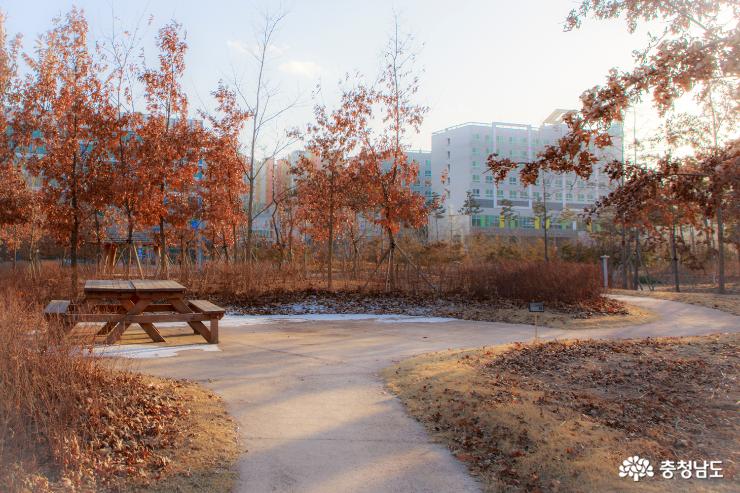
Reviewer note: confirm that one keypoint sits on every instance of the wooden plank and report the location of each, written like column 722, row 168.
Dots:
column 157, row 285
column 57, row 307
column 205, row 306
column 214, row 331
column 108, row 286
column 160, row 307
column 137, row 318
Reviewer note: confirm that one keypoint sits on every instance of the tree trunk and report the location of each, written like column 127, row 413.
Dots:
column 330, row 245
column 233, row 238
column 163, row 263
column 390, row 279
column 636, row 264
column 625, row 255
column 73, row 254
column 130, row 245
column 720, row 249
column 674, row 258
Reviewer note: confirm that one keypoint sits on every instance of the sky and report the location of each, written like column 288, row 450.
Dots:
column 478, row 60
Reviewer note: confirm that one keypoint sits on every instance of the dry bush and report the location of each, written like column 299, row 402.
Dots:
column 554, row 281
column 66, row 418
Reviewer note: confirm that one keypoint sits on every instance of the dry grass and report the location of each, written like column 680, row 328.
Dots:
column 729, row 303
column 68, row 420
column 562, row 416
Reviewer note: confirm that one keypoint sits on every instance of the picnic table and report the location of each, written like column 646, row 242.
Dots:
column 119, row 304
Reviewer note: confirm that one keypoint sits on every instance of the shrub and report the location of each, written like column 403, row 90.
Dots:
column 525, row 281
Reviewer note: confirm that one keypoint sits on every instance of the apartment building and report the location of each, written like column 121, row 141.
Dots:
column 461, row 151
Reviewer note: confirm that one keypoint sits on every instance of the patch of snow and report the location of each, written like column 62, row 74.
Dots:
column 241, row 320
column 309, row 307
column 138, row 351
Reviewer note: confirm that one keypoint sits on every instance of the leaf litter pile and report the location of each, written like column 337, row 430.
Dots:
column 561, row 416
column 127, row 432
column 558, row 315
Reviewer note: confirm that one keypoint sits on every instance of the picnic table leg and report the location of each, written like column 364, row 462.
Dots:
column 121, row 325
column 152, row 332
column 198, row 326
column 106, row 328
column 214, row 331
column 116, row 333
column 149, row 328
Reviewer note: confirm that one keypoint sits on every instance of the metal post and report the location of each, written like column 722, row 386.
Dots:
column 605, row 270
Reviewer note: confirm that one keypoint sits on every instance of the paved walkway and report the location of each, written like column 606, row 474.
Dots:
column 315, row 417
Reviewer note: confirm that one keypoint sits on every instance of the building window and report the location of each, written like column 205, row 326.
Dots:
column 523, row 194
column 477, row 136
column 500, row 193
column 559, row 195
column 428, row 163
column 512, row 180
column 448, row 154
column 489, row 193
column 475, row 164
column 568, row 196
column 476, row 192
column 448, row 141
column 512, row 194
column 580, row 197
column 476, row 178
column 428, row 173
column 590, row 196
column 475, row 151
column 489, row 179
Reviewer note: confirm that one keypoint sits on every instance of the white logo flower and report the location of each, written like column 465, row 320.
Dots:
column 636, row 468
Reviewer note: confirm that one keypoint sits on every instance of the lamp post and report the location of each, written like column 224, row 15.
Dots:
column 605, row 270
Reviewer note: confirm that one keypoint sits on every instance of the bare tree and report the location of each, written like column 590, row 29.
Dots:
column 262, row 105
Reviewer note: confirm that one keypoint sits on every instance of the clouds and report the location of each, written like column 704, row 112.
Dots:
column 238, row 46
column 242, row 48
column 301, row 68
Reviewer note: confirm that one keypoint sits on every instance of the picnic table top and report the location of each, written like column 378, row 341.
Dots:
column 132, row 286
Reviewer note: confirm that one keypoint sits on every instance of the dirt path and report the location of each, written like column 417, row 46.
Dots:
column 313, row 412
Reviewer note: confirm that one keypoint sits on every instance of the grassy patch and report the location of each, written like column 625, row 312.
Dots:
column 561, row 416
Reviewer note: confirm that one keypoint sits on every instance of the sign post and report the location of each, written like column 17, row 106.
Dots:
column 536, row 308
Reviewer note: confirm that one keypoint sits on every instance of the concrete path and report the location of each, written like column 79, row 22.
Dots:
column 314, row 415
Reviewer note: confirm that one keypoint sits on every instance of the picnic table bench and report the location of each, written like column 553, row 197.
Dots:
column 119, row 304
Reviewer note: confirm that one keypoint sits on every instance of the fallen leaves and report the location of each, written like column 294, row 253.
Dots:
column 559, row 416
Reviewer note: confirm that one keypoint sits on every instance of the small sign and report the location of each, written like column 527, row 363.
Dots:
column 537, row 307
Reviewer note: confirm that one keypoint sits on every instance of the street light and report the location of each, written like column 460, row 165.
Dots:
column 605, row 270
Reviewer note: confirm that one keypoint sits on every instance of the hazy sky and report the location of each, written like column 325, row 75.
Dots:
column 482, row 60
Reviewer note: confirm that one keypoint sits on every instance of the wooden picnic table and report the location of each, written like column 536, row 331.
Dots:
column 122, row 303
